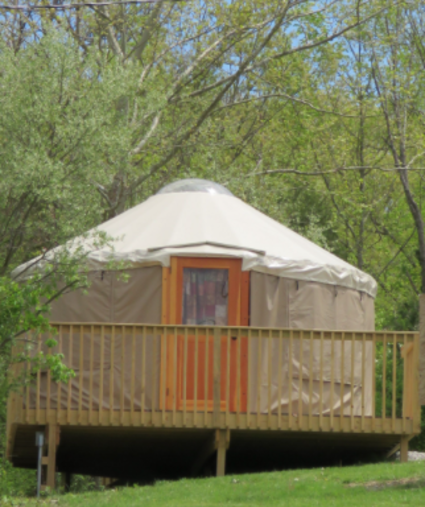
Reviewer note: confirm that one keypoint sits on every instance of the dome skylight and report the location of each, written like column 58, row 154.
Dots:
column 194, row 185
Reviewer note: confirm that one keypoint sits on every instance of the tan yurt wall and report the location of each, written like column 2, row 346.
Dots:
column 111, row 299
column 281, row 302
column 269, row 300
column 98, row 383
column 96, row 388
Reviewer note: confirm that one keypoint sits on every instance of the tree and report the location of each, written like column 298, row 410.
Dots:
column 191, row 59
column 57, row 122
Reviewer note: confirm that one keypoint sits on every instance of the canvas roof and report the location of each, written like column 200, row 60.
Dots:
column 200, row 223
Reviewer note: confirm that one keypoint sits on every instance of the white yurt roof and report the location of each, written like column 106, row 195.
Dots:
column 201, row 218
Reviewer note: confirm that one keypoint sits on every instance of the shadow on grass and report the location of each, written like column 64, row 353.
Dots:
column 408, row 483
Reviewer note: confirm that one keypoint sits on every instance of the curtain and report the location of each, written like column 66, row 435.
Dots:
column 205, row 294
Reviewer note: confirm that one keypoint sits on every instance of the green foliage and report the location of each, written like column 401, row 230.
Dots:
column 85, row 483
column 418, row 443
column 57, row 120
column 58, row 131
column 23, row 307
column 15, row 482
column 391, row 355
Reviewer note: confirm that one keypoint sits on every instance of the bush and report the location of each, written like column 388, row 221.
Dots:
column 16, row 481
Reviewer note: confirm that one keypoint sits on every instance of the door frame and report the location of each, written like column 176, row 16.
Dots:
column 172, row 296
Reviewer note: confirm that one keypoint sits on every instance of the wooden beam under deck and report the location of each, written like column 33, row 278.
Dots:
column 180, row 419
column 149, row 453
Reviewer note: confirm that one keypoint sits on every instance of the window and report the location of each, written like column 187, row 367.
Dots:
column 205, row 296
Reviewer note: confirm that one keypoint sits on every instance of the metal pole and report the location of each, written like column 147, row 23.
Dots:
column 39, row 442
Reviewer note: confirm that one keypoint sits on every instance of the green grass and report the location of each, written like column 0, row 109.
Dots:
column 295, row 488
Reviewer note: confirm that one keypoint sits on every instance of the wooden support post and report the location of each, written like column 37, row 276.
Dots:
column 422, row 349
column 66, row 481
column 52, row 440
column 222, row 444
column 206, row 451
column 219, row 441
column 404, row 449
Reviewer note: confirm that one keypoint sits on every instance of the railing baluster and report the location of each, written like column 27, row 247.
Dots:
column 59, row 388
column 81, row 367
column 269, row 379
column 143, row 378
column 185, row 377
column 321, row 383
column 279, row 386
column 238, row 378
column 91, row 375
column 216, row 376
column 164, row 374
column 290, row 375
column 403, row 414
column 111, row 377
column 332, row 380
column 228, row 359
column 259, row 378
column 207, row 346
column 300, row 380
column 248, row 401
column 48, row 386
column 310, row 390
column 101, row 380
column 133, row 373
column 195, row 382
column 70, row 352
column 363, row 378
column 384, row 382
column 342, row 379
column 374, row 382
column 353, row 349
column 414, row 376
column 394, row 386
column 154, row 367
column 27, row 382
column 122, row 387
column 175, row 387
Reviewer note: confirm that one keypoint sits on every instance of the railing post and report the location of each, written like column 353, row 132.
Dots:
column 422, row 349
column 416, row 404
column 216, row 376
column 419, row 360
column 407, row 353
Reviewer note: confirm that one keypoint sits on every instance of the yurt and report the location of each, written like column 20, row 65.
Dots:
column 230, row 265
column 206, row 315
column 194, row 254
column 212, row 335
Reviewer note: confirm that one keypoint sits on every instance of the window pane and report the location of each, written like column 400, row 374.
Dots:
column 205, row 296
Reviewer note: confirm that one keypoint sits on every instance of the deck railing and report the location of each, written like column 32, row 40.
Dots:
column 225, row 377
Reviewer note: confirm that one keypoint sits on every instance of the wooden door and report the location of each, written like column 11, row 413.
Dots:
column 207, row 292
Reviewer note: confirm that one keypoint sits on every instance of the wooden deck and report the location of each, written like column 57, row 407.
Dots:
column 215, row 386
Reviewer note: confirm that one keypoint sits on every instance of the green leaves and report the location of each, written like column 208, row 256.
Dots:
column 58, row 128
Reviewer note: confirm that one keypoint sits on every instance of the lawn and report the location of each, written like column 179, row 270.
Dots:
column 365, row 486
